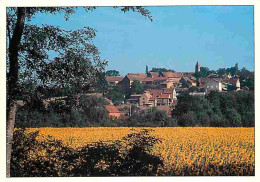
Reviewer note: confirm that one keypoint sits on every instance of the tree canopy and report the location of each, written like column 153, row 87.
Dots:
column 49, row 57
column 112, row 73
column 161, row 70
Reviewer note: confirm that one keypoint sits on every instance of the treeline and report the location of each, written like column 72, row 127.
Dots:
column 231, row 109
column 86, row 112
column 68, row 112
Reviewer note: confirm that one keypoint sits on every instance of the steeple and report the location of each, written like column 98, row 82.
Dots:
column 197, row 67
column 146, row 70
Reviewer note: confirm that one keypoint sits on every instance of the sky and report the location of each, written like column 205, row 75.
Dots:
column 178, row 36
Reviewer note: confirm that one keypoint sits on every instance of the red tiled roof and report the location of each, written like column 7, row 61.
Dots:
column 132, row 99
column 148, row 79
column 168, row 90
column 111, row 109
column 136, row 95
column 160, row 78
column 175, row 80
column 114, row 78
column 172, row 75
column 165, row 82
column 162, row 96
column 138, row 76
column 212, row 75
column 154, row 74
column 155, row 92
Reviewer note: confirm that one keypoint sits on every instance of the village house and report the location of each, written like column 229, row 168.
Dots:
column 113, row 112
column 113, row 80
column 232, row 83
column 167, row 84
column 128, row 80
column 154, row 97
column 186, row 82
column 211, row 84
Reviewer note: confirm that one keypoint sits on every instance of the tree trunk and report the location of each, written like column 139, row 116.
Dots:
column 12, row 77
column 9, row 133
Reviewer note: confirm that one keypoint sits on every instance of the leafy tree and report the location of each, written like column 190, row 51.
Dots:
column 187, row 119
column 116, row 95
column 184, row 104
column 76, row 63
column 112, row 73
column 162, row 70
column 221, row 71
column 204, row 72
column 233, row 117
column 93, row 108
column 137, row 87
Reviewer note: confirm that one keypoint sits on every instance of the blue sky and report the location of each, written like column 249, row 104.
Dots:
column 216, row 36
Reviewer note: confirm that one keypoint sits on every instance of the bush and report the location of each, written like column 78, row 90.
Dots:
column 187, row 119
column 49, row 158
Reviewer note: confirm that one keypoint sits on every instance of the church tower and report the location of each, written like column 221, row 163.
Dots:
column 197, row 67
column 146, row 70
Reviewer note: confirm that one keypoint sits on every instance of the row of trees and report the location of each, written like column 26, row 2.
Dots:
column 234, row 109
column 231, row 109
column 87, row 111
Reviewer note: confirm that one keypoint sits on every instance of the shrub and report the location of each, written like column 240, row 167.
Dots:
column 127, row 157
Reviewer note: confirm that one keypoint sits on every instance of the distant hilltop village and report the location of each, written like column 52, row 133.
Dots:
column 177, row 80
column 162, row 88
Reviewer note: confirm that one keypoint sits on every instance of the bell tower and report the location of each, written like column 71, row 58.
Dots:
column 197, row 67
column 146, row 69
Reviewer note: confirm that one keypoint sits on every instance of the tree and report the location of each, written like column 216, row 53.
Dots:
column 204, row 72
column 233, row 117
column 137, row 87
column 116, row 95
column 112, row 73
column 76, row 63
column 161, row 70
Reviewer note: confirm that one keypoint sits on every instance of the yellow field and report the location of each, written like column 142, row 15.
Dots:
column 197, row 150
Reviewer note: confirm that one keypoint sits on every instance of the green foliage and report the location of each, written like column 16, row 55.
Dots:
column 112, row 73
column 116, row 95
column 233, row 109
column 204, row 72
column 137, row 87
column 159, row 70
column 61, row 61
column 233, row 117
column 127, row 157
column 151, row 118
column 187, row 119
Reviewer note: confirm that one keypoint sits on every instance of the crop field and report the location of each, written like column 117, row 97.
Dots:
column 185, row 151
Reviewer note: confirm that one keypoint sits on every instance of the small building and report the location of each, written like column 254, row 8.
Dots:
column 112, row 111
column 128, row 80
column 134, row 99
column 232, row 84
column 167, row 84
column 211, row 84
column 113, row 80
column 187, row 82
